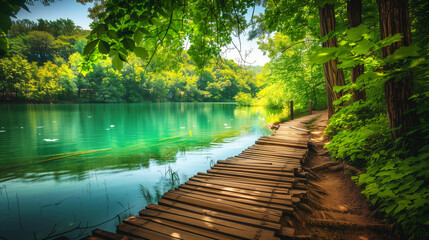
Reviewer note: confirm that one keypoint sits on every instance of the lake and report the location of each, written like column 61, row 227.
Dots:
column 68, row 166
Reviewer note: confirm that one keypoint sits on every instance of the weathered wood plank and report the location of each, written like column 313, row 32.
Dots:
column 257, row 196
column 252, row 175
column 205, row 222
column 144, row 233
column 226, row 206
column 231, row 217
column 158, row 226
column 247, row 170
column 241, row 188
column 242, row 179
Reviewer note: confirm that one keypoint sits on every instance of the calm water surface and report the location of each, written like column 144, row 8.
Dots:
column 71, row 166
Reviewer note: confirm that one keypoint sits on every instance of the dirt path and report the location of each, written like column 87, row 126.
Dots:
column 341, row 212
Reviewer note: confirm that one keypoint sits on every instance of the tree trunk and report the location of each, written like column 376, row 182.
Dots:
column 354, row 15
column 333, row 76
column 394, row 18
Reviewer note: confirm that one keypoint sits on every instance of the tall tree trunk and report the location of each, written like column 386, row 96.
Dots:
column 394, row 18
column 333, row 76
column 354, row 15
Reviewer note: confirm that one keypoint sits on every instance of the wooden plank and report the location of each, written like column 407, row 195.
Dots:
column 157, row 226
column 270, row 160
column 268, row 153
column 237, row 164
column 189, row 228
column 271, row 206
column 295, row 139
column 226, row 206
column 247, row 170
column 266, row 157
column 143, row 233
column 261, row 197
column 255, row 161
column 262, row 141
column 101, row 234
column 294, row 154
column 252, row 175
column 281, row 152
column 295, row 142
column 283, row 131
column 231, row 217
column 205, row 222
column 85, row 238
column 278, row 159
column 251, row 187
column 277, row 148
column 242, row 179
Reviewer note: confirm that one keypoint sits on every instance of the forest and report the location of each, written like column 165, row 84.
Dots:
column 366, row 61
column 44, row 67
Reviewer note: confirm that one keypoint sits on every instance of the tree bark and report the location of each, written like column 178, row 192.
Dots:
column 394, row 18
column 354, row 15
column 333, row 76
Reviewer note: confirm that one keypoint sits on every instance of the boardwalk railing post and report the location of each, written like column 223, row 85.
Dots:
column 310, row 108
column 291, row 110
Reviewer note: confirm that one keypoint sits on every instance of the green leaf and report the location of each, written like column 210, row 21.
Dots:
column 100, row 30
column 361, row 47
column 117, row 62
column 402, row 53
column 390, row 208
column 348, row 62
column 103, row 47
column 123, row 57
column 90, row 47
column 144, row 31
column 141, row 52
column 356, row 33
column 155, row 21
column 322, row 55
column 390, row 39
column 401, row 205
column 138, row 36
column 112, row 35
column 129, row 44
column 340, row 88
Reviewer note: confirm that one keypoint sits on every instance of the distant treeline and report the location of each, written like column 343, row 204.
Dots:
column 44, row 61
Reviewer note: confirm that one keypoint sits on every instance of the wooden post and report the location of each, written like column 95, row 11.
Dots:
column 291, row 110
column 310, row 108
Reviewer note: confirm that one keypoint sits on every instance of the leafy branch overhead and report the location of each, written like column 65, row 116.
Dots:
column 144, row 27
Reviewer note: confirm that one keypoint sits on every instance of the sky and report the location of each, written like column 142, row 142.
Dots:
column 79, row 14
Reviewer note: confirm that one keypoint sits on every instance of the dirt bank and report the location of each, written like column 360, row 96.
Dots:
column 338, row 210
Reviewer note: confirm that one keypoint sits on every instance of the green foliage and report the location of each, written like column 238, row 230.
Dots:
column 356, row 132
column 399, row 185
column 171, row 75
column 9, row 8
column 243, row 99
column 142, row 27
column 396, row 177
column 290, row 76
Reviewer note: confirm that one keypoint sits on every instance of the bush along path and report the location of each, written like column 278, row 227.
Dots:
column 336, row 207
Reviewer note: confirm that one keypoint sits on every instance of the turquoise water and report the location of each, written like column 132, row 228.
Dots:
column 72, row 166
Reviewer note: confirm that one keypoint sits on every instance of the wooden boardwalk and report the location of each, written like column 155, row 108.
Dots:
column 242, row 197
